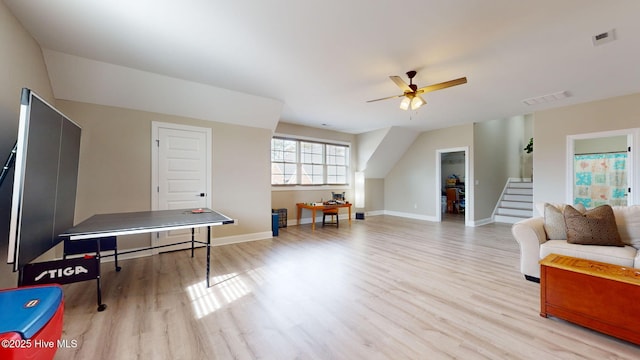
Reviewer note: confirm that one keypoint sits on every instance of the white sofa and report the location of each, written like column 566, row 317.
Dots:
column 535, row 244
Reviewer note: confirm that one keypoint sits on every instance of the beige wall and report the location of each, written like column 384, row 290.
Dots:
column 21, row 65
column 551, row 128
column 410, row 187
column 374, row 195
column 498, row 153
column 115, row 167
column 286, row 197
column 600, row 145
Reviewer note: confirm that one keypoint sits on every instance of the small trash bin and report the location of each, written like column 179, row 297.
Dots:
column 282, row 217
column 30, row 322
column 274, row 223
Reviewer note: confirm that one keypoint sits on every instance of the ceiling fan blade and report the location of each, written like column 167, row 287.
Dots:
column 385, row 98
column 401, row 84
column 442, row 85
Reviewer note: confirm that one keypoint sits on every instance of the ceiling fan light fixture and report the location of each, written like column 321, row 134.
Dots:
column 416, row 102
column 411, row 96
column 404, row 104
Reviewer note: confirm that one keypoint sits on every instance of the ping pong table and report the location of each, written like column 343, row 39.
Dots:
column 118, row 224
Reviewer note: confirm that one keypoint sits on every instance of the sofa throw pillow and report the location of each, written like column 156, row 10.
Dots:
column 595, row 227
column 554, row 224
column 628, row 221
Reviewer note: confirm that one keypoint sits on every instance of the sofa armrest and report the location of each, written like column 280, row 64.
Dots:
column 530, row 234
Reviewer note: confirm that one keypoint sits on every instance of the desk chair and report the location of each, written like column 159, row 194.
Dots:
column 332, row 213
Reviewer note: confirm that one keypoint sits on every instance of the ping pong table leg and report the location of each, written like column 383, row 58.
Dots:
column 115, row 255
column 208, row 252
column 101, row 306
column 192, row 240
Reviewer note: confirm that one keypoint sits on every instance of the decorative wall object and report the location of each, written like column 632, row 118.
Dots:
column 600, row 179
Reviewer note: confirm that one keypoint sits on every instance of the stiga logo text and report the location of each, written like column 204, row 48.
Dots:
column 64, row 272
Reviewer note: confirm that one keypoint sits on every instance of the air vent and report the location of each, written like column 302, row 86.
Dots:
column 546, row 98
column 604, row 37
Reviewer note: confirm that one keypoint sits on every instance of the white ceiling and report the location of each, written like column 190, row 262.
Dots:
column 316, row 63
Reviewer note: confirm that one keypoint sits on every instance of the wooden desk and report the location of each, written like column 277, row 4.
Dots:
column 314, row 208
column 593, row 294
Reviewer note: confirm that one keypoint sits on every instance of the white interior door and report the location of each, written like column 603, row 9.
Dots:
column 182, row 175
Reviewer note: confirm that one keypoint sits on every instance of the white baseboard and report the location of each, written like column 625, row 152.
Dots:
column 410, row 215
column 423, row 217
column 266, row 235
column 482, row 222
column 226, row 240
column 107, row 256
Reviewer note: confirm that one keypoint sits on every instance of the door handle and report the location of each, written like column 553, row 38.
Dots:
column 201, row 195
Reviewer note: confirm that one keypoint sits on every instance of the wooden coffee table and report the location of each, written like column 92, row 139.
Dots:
column 593, row 294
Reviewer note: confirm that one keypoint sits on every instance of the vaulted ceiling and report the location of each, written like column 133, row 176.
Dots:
column 317, row 63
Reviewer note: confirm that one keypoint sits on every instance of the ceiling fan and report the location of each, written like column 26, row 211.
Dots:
column 412, row 94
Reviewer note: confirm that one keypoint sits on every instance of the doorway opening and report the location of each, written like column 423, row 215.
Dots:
column 452, row 178
column 601, row 168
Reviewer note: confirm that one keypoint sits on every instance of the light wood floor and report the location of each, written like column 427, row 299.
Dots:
column 382, row 288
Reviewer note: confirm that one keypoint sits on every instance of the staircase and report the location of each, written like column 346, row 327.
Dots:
column 516, row 202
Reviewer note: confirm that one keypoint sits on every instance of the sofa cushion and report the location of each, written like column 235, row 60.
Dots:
column 628, row 221
column 623, row 256
column 595, row 227
column 554, row 224
column 539, row 206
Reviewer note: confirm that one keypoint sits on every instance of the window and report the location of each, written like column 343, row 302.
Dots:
column 337, row 161
column 301, row 162
column 284, row 159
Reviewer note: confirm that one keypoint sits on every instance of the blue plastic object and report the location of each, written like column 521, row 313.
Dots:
column 27, row 310
column 275, row 219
